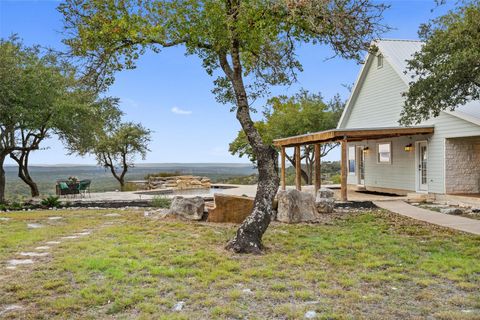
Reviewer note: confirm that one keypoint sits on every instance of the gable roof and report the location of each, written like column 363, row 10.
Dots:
column 397, row 52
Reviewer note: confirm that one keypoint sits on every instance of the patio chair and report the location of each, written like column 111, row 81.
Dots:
column 63, row 189
column 84, row 187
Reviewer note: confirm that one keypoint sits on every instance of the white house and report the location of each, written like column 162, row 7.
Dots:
column 438, row 157
column 444, row 162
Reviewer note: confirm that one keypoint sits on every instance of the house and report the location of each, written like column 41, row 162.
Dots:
column 437, row 157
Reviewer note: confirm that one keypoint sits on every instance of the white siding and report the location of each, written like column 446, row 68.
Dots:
column 400, row 174
column 379, row 100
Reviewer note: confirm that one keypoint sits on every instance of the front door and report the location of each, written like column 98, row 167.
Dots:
column 361, row 165
column 422, row 160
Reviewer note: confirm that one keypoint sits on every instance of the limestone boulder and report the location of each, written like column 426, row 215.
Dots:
column 188, row 208
column 454, row 211
column 325, row 193
column 228, row 208
column 296, row 206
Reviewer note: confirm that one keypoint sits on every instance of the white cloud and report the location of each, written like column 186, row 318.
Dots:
column 177, row 110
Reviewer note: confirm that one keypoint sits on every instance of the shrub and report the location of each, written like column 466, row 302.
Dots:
column 336, row 179
column 163, row 175
column 51, row 202
column 129, row 186
column 161, row 202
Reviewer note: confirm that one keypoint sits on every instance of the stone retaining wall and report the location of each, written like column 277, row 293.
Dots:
column 179, row 182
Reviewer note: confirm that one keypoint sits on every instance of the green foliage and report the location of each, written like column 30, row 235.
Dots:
column 290, row 116
column 447, row 69
column 161, row 202
column 51, row 202
column 336, row 179
column 163, row 174
column 243, row 180
column 130, row 186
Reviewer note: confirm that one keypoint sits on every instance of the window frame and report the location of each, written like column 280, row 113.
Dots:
column 389, row 143
column 354, row 172
column 379, row 61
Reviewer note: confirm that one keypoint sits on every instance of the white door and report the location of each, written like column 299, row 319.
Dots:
column 422, row 160
column 361, row 165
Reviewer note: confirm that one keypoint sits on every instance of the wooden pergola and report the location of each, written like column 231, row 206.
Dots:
column 338, row 135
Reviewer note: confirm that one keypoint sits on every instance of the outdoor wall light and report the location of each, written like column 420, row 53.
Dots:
column 366, row 149
column 409, row 147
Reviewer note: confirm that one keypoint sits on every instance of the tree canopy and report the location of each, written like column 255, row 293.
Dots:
column 289, row 116
column 40, row 95
column 116, row 148
column 447, row 69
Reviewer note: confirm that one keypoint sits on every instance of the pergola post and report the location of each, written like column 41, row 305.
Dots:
column 282, row 171
column 298, row 169
column 318, row 172
column 344, row 171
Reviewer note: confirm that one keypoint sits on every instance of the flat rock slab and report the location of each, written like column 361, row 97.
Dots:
column 70, row 237
column 42, row 248
column 10, row 307
column 112, row 215
column 55, row 218
column 86, row 233
column 19, row 262
column 34, row 254
column 34, row 225
column 53, row 242
column 4, row 219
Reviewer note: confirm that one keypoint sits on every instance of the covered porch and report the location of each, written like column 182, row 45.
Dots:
column 344, row 136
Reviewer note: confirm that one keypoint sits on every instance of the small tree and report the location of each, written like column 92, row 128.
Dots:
column 248, row 45
column 447, row 69
column 117, row 148
column 289, row 116
column 39, row 96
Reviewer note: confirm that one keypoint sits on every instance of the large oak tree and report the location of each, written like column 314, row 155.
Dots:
column 248, row 45
column 446, row 71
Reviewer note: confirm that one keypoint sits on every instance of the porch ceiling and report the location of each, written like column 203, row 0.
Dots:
column 352, row 135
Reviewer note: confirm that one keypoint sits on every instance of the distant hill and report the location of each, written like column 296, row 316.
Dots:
column 102, row 180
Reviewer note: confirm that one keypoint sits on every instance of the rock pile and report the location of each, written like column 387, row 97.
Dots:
column 179, row 182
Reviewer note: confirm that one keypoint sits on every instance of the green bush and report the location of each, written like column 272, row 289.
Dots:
column 161, row 202
column 51, row 202
column 129, row 186
column 163, row 175
column 336, row 179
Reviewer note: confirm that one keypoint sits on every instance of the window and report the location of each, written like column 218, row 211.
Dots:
column 351, row 160
column 379, row 61
column 384, row 154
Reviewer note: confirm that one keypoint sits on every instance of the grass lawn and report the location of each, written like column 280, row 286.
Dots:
column 371, row 265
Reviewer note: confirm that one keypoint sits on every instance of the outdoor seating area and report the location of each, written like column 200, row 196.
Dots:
column 73, row 187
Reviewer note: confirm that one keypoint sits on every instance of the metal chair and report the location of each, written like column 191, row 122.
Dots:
column 84, row 187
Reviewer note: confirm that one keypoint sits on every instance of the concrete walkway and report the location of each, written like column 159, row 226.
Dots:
column 444, row 220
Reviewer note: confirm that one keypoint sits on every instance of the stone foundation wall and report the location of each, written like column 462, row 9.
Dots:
column 462, row 165
column 179, row 182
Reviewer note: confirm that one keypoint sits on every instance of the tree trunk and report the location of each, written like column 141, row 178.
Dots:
column 24, row 173
column 2, row 178
column 248, row 238
column 304, row 174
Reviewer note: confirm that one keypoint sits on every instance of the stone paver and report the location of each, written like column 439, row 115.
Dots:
column 444, row 220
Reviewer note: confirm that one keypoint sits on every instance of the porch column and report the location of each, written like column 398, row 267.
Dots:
column 318, row 172
column 282, row 171
column 298, row 169
column 344, row 171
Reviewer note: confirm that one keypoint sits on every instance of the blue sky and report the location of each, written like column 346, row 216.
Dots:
column 171, row 94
